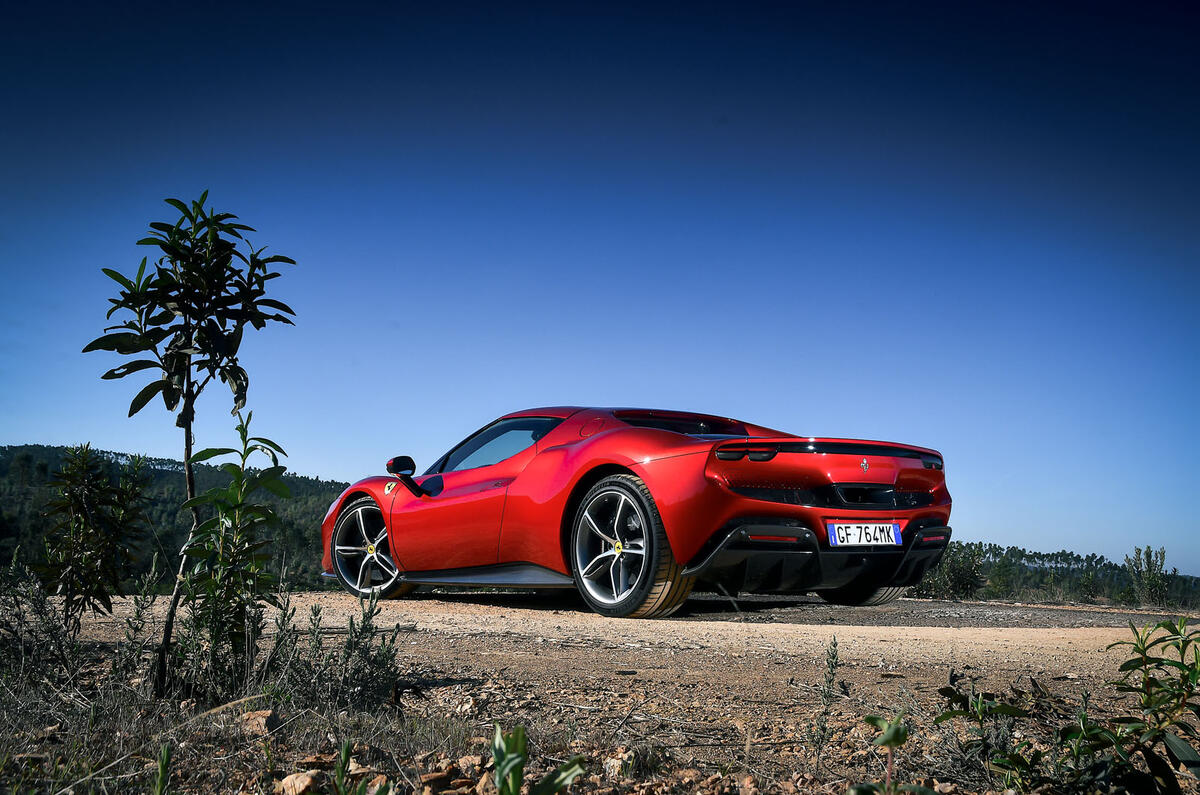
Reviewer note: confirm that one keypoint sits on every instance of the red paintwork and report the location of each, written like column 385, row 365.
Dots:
column 516, row 510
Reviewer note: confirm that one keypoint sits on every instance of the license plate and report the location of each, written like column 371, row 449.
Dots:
column 863, row 534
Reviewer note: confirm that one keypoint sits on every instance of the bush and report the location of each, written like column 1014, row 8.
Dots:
column 1163, row 676
column 958, row 576
column 228, row 584
column 96, row 522
column 1147, row 572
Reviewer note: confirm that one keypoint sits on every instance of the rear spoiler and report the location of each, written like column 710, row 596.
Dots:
column 766, row 450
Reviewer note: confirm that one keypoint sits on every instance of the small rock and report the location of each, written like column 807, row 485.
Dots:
column 301, row 783
column 260, row 723
column 435, row 778
column 483, row 784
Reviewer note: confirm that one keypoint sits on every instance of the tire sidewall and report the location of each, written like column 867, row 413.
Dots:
column 653, row 532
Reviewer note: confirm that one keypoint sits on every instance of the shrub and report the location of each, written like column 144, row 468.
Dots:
column 958, row 576
column 228, row 583
column 1147, row 572
column 96, row 522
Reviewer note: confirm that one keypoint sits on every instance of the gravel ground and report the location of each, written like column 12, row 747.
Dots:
column 728, row 690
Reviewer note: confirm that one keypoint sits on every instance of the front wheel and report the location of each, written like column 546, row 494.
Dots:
column 362, row 555
column 861, row 596
column 620, row 558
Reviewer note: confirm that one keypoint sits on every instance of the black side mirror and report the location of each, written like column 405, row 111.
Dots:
column 401, row 465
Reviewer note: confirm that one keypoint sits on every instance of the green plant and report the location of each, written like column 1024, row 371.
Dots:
column 189, row 314
column 509, row 757
column 162, row 777
column 342, row 784
column 893, row 734
column 990, row 719
column 134, row 642
column 228, row 581
column 96, row 522
column 1148, row 575
column 1163, row 676
column 819, row 733
column 34, row 643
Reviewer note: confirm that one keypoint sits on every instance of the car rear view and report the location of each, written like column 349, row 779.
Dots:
column 855, row 521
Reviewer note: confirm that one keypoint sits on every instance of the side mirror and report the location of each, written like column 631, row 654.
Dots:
column 401, row 465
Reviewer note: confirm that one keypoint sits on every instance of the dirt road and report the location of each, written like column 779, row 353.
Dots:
column 724, row 686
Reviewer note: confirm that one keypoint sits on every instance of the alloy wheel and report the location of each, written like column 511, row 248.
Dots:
column 362, row 553
column 610, row 546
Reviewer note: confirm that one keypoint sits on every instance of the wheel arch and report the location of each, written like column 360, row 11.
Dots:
column 589, row 479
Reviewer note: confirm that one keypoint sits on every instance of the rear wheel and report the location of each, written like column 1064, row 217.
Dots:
column 620, row 557
column 362, row 555
column 860, row 596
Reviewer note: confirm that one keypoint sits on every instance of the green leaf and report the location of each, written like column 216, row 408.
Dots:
column 123, row 342
column 131, row 367
column 142, row 398
column 560, row 779
column 182, row 208
column 1182, row 752
column 211, row 452
column 277, row 487
column 119, row 279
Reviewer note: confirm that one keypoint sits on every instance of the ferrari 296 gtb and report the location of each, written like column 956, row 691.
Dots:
column 635, row 508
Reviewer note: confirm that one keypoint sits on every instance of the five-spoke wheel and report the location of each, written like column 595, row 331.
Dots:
column 362, row 556
column 620, row 557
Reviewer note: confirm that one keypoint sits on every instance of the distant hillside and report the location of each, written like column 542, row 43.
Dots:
column 26, row 472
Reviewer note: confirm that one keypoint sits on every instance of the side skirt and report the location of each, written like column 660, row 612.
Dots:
column 504, row 575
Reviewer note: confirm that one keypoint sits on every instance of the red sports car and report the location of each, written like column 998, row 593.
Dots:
column 636, row 507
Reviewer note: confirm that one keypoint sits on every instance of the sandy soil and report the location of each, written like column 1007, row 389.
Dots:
column 722, row 687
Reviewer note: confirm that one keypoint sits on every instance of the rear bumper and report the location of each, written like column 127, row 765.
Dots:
column 765, row 556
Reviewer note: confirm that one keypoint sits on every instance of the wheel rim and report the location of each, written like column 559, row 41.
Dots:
column 362, row 553
column 610, row 546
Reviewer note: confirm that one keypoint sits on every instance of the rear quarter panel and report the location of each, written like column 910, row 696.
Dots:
column 538, row 498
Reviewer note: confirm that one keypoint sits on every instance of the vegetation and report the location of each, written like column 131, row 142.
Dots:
column 228, row 583
column 97, row 519
column 188, row 316
column 27, row 474
column 989, row 571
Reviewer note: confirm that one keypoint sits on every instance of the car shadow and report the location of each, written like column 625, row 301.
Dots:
column 701, row 605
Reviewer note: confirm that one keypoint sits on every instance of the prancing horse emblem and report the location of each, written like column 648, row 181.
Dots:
column 388, row 488
column 865, row 466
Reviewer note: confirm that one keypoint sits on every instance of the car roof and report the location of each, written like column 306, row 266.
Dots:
column 562, row 412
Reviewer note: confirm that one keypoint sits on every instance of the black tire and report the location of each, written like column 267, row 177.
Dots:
column 859, row 596
column 363, row 516
column 659, row 587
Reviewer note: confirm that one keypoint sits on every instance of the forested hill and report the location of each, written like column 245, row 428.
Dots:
column 27, row 470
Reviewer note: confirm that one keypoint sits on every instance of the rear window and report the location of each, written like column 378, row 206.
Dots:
column 689, row 425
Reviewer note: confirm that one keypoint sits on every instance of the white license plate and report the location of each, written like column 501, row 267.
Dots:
column 863, row 534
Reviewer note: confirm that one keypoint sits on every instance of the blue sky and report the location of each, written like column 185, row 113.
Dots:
column 968, row 226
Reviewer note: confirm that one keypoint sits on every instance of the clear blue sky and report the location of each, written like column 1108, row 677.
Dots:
column 968, row 226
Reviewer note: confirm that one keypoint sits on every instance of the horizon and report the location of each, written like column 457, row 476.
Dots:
column 1118, row 561
column 965, row 228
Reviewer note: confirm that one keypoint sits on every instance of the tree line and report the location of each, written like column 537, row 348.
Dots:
column 27, row 476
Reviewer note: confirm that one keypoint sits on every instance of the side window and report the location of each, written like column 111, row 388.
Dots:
column 498, row 441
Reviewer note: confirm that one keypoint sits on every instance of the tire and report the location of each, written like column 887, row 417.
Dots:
column 859, row 596
column 361, row 553
column 620, row 558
